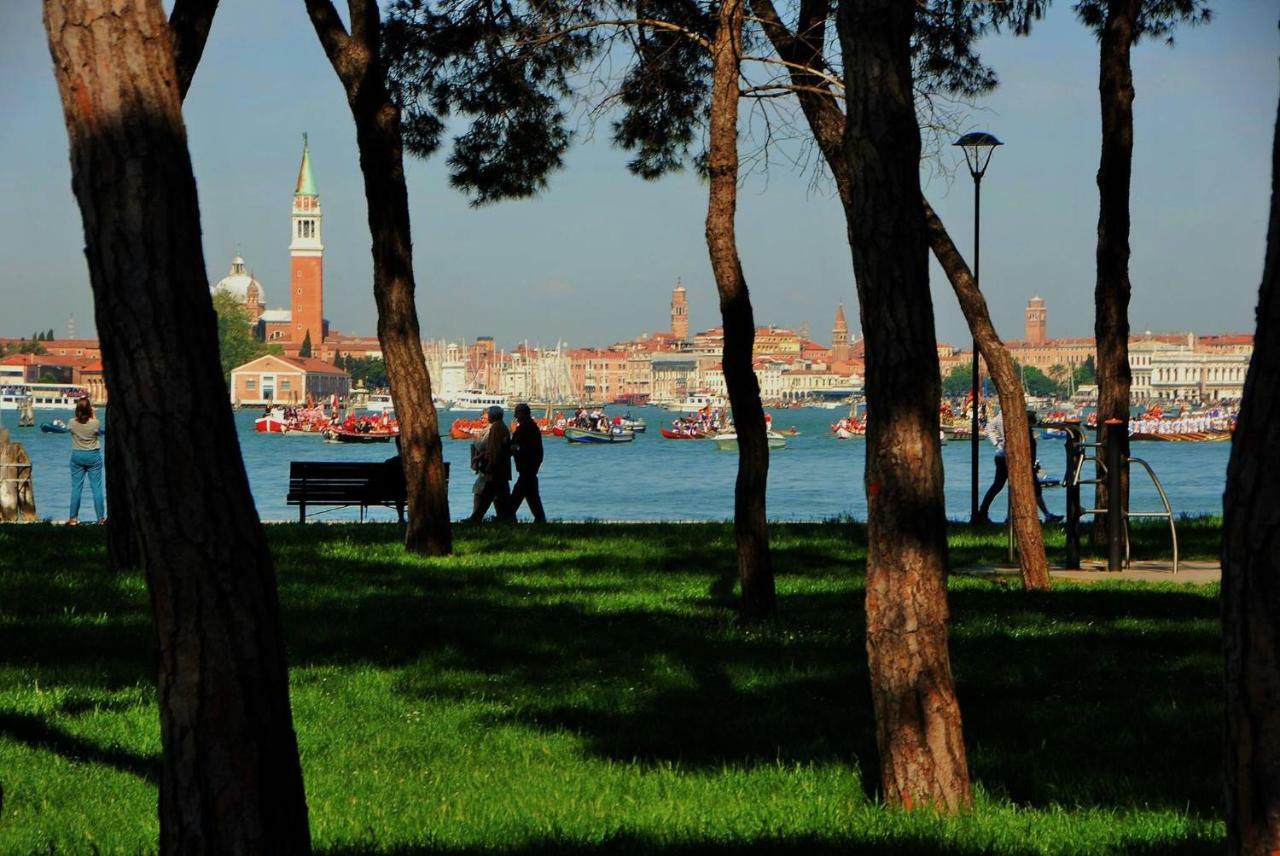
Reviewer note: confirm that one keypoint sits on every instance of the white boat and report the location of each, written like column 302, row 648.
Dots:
column 694, row 403
column 729, row 442
column 44, row 396
column 379, row 403
column 476, row 400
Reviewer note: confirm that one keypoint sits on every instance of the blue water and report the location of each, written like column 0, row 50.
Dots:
column 814, row 478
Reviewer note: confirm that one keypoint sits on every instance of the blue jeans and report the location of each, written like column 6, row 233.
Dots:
column 82, row 464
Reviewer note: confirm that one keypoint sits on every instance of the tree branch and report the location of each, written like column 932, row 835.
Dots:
column 190, row 23
column 337, row 43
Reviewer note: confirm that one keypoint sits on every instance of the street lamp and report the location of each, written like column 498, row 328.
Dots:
column 978, row 147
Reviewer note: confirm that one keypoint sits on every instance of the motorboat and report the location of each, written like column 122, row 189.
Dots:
column 57, row 426
column 476, row 400
column 729, row 442
column 614, row 435
column 379, row 403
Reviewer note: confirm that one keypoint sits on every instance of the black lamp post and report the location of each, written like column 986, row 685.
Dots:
column 978, row 147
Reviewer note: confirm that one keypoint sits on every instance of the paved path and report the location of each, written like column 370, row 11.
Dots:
column 1189, row 572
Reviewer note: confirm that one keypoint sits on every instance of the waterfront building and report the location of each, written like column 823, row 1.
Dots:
column 1197, row 369
column 274, row 379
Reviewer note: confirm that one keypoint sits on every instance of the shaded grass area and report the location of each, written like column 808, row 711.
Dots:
column 582, row 689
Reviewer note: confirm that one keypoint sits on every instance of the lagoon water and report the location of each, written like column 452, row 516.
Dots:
column 816, row 477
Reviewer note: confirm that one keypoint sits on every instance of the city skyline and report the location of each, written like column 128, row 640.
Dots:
column 592, row 260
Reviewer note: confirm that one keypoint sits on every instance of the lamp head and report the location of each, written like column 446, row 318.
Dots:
column 978, row 146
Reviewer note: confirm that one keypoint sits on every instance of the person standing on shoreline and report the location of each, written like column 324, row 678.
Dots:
column 86, row 460
column 526, row 447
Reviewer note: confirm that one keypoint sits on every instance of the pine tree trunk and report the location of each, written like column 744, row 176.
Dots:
column 1111, row 293
column 1017, row 433
column 750, row 526
column 1251, row 575
column 356, row 59
column 231, row 780
column 122, row 534
column 918, row 727
column 803, row 49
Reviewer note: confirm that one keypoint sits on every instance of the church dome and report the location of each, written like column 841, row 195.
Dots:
column 240, row 284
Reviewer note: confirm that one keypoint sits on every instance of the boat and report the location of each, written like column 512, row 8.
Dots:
column 729, row 442
column 1189, row 437
column 476, row 400
column 683, row 434
column 694, row 403
column 334, row 435
column 379, row 403
column 789, row 432
column 44, row 396
column 637, row 424
column 583, row 435
column 57, row 426
column 468, row 429
column 270, row 423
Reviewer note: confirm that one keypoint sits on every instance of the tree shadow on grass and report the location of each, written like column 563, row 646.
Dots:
column 37, row 733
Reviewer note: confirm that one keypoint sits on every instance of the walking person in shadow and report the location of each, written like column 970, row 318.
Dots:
column 995, row 433
column 491, row 461
column 526, row 447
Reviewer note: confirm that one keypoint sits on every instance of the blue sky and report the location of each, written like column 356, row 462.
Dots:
column 593, row 259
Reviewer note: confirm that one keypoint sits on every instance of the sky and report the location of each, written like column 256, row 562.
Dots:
column 594, row 258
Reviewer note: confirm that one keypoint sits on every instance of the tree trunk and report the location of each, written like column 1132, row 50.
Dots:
column 1111, row 293
column 357, row 60
column 122, row 532
column 1017, row 433
column 750, row 527
column 803, row 51
column 231, row 780
column 918, row 727
column 189, row 22
column 1251, row 575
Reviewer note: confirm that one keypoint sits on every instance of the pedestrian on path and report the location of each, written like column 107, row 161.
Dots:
column 526, row 448
column 491, row 460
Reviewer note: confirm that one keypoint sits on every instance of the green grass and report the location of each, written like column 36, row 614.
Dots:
column 584, row 688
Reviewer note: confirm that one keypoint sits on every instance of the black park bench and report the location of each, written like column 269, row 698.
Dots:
column 347, row 483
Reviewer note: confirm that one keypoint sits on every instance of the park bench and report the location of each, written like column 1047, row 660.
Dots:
column 347, row 483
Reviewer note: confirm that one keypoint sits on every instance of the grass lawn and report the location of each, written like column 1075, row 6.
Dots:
column 581, row 688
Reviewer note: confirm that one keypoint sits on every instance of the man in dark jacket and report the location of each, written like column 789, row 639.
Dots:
column 493, row 465
column 526, row 445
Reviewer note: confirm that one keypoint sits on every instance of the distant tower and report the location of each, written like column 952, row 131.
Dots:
column 679, row 312
column 306, row 269
column 840, row 337
column 71, row 326
column 1037, row 322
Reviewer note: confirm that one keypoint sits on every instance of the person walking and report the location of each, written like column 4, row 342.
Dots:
column 86, row 460
column 995, row 433
column 526, row 447
column 492, row 462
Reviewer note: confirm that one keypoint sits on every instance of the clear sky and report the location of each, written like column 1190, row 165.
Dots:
column 593, row 260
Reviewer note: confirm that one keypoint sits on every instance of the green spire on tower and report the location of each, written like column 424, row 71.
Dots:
column 306, row 181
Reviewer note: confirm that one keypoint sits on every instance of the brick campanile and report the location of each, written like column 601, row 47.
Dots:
column 1037, row 322
column 840, row 337
column 679, row 312
column 306, row 258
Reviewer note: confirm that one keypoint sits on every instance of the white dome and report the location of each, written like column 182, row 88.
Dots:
column 238, row 283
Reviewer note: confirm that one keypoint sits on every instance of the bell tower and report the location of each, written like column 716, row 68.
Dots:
column 679, row 312
column 306, row 258
column 840, row 337
column 1037, row 322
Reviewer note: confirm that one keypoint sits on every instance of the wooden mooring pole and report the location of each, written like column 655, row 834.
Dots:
column 17, row 494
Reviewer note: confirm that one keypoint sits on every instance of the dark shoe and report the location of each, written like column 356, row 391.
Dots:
column 1053, row 518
